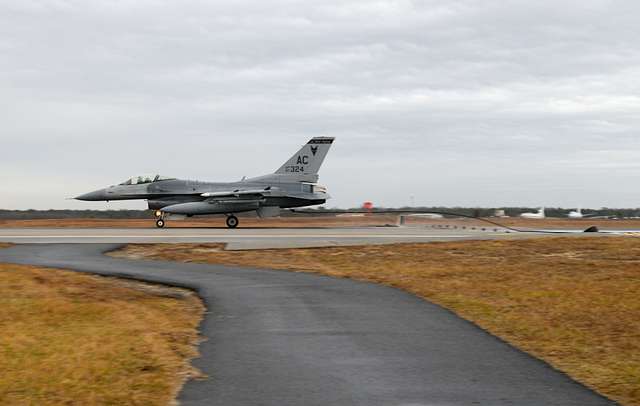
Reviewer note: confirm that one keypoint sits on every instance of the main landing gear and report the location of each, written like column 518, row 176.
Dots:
column 160, row 220
column 232, row 221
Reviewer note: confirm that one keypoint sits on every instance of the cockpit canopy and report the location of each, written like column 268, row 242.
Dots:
column 138, row 180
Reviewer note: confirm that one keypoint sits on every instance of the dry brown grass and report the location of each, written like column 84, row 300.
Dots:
column 573, row 302
column 548, row 223
column 4, row 245
column 74, row 339
column 325, row 221
column 565, row 223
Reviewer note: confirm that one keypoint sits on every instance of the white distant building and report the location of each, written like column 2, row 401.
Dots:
column 577, row 214
column 539, row 215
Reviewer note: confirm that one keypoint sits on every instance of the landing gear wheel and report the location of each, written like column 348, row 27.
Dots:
column 160, row 223
column 232, row 222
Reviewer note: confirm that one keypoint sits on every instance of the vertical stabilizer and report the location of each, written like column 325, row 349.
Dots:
column 308, row 159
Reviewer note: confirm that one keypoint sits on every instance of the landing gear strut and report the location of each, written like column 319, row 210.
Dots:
column 160, row 219
column 232, row 221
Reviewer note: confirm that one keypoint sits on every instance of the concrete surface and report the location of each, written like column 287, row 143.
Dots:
column 246, row 238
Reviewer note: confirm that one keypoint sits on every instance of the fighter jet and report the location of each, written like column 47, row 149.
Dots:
column 294, row 184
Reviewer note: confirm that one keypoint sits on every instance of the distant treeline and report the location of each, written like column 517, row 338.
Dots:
column 468, row 211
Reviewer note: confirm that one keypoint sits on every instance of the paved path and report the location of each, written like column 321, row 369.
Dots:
column 244, row 238
column 281, row 338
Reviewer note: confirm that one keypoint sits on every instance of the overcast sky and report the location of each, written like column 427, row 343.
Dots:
column 485, row 103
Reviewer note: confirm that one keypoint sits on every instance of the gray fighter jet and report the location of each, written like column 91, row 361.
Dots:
column 293, row 185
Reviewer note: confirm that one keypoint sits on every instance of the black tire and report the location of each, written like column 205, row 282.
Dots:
column 232, row 222
column 160, row 223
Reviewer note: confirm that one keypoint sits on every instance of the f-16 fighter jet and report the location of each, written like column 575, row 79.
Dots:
column 293, row 185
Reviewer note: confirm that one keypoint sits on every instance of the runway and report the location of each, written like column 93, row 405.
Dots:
column 248, row 238
column 284, row 338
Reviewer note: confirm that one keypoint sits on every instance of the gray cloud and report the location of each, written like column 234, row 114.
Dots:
column 454, row 103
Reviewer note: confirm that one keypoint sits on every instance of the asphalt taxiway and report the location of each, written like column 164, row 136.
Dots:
column 284, row 338
column 248, row 238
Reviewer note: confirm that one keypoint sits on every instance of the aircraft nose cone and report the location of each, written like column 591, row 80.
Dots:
column 93, row 196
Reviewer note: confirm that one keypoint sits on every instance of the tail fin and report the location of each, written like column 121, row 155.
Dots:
column 308, row 159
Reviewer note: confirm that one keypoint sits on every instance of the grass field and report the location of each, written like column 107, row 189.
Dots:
column 324, row 221
column 75, row 339
column 573, row 302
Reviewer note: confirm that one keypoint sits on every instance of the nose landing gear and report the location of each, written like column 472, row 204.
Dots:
column 232, row 221
column 160, row 223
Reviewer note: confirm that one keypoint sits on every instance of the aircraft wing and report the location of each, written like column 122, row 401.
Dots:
column 238, row 193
